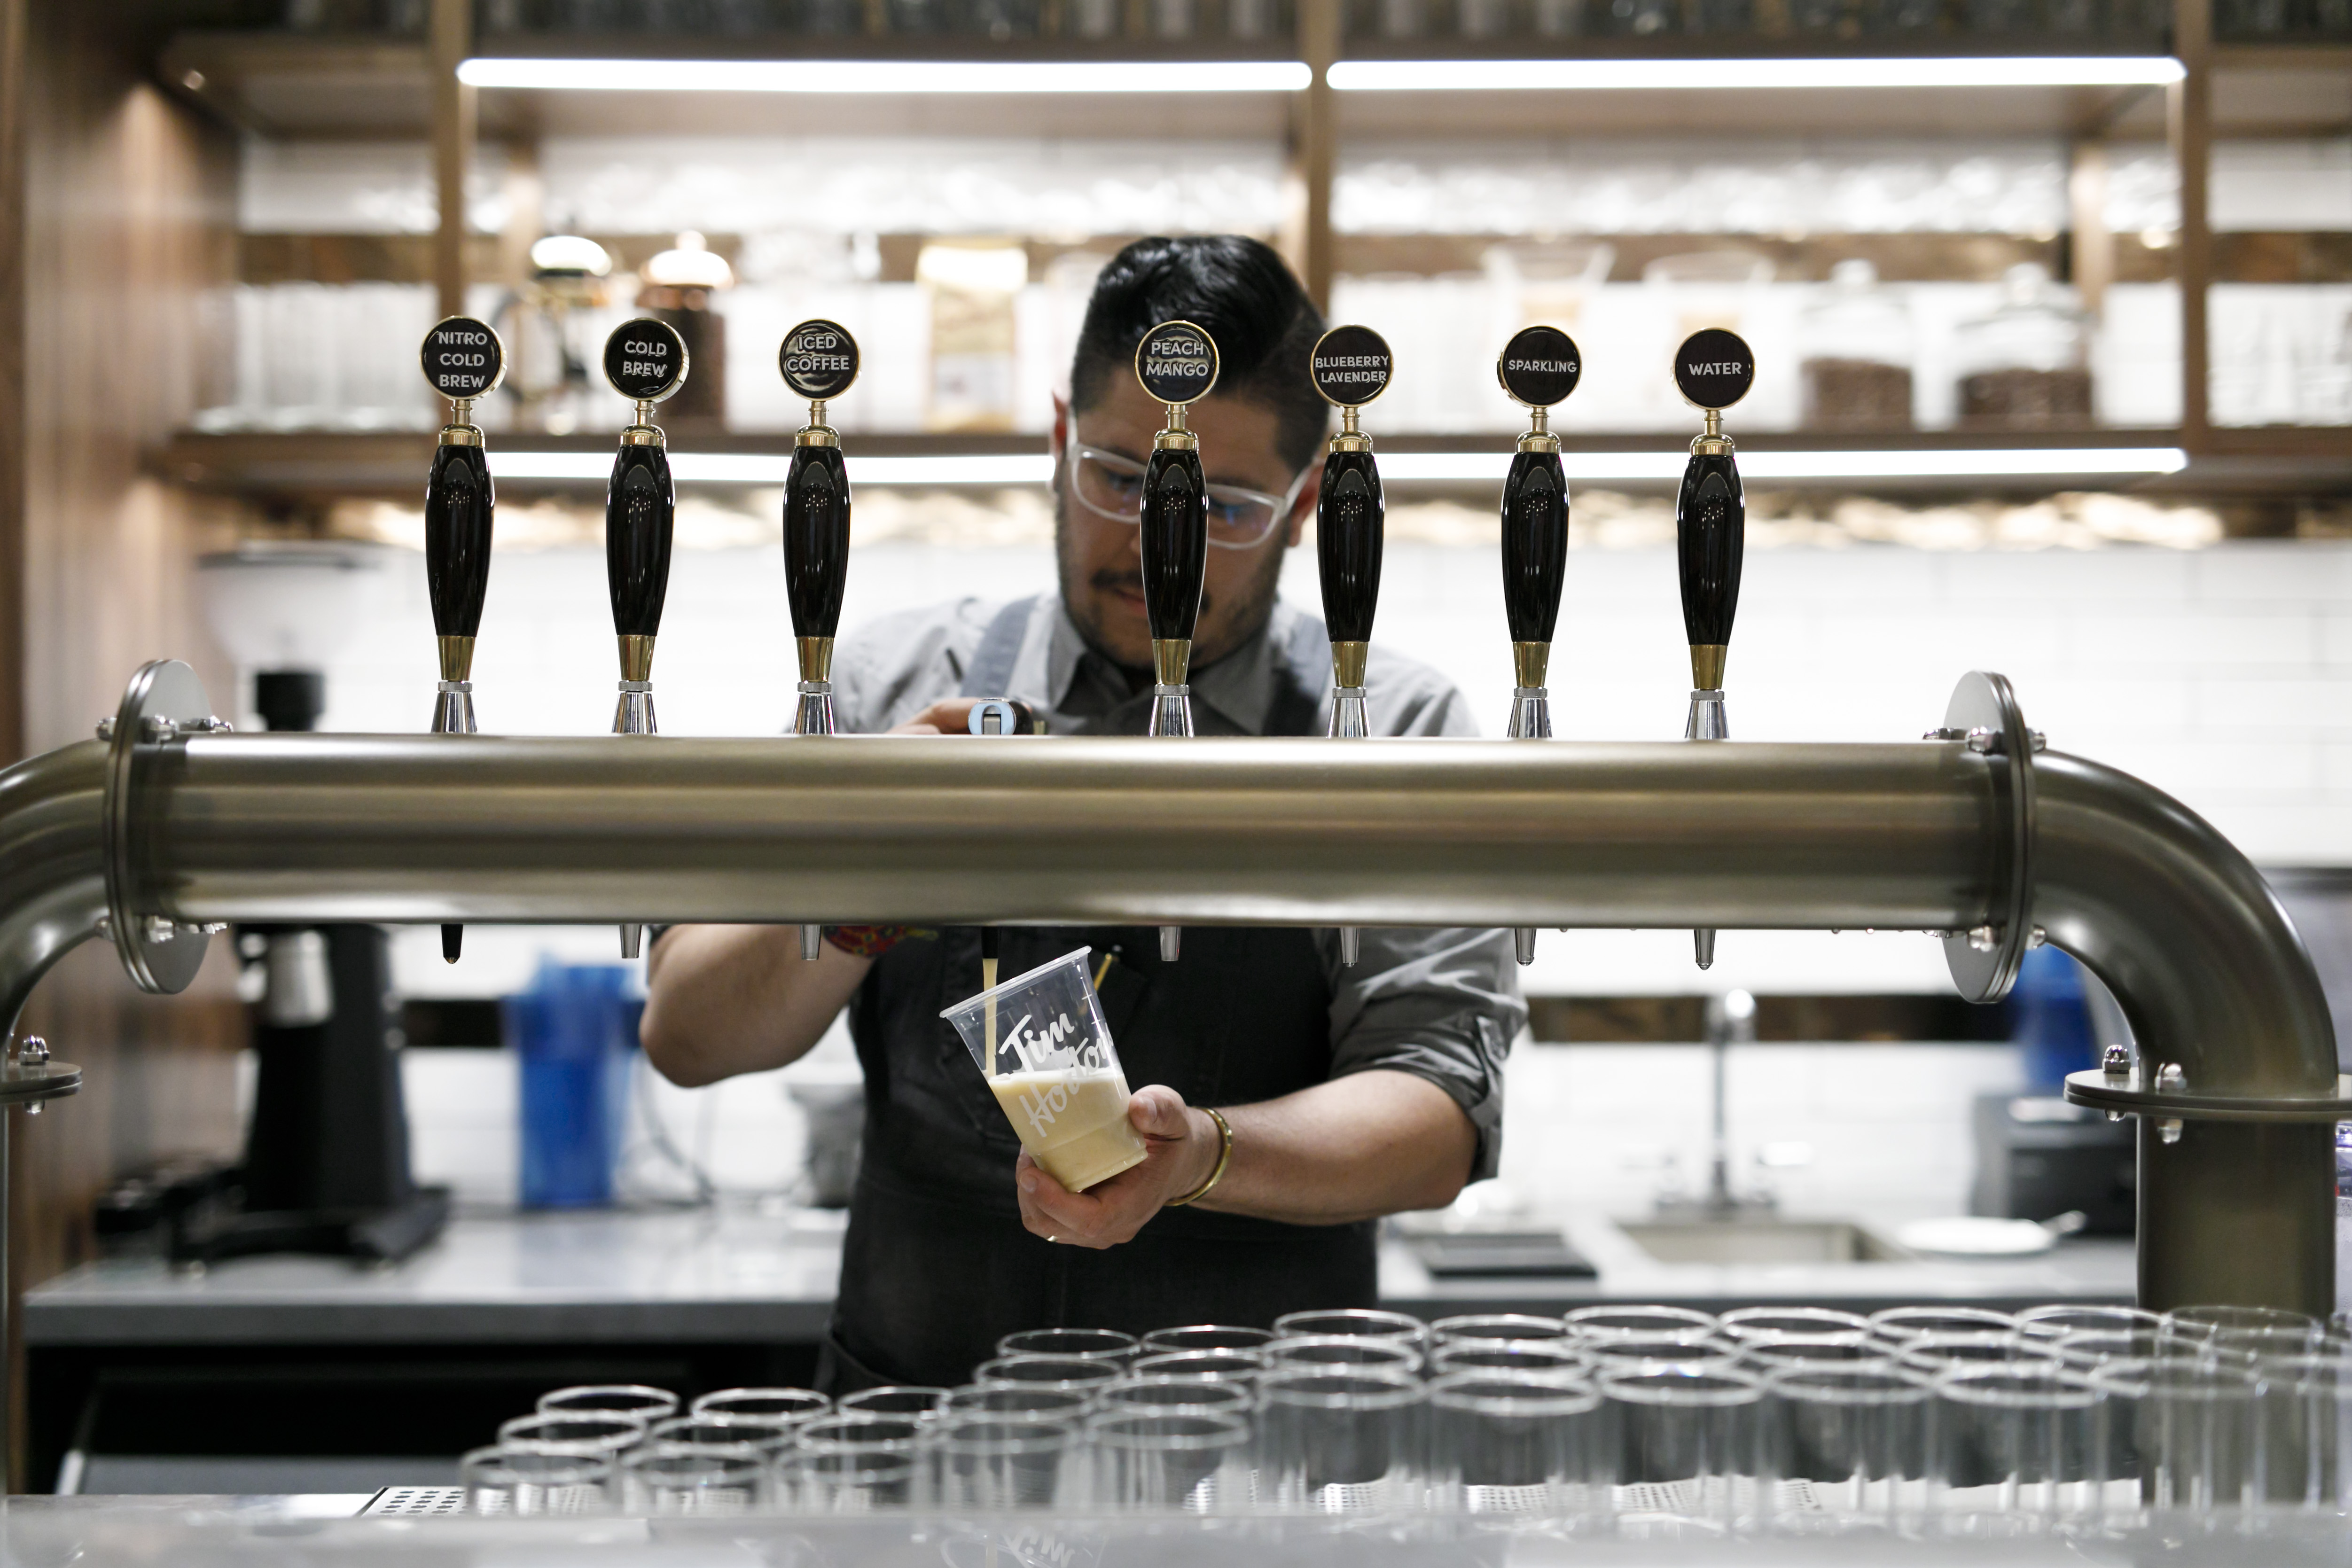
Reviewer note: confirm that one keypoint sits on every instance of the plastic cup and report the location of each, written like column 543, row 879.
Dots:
column 1041, row 1041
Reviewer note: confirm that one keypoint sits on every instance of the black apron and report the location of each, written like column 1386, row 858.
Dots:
column 936, row 1266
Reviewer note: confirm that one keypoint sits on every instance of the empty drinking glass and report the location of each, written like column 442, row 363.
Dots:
column 535, row 1477
column 1509, row 1444
column 607, row 1435
column 1151, row 1392
column 1498, row 1328
column 1898, row 1325
column 1933, row 1352
column 1247, row 1365
column 2203, row 1322
column 1745, row 1324
column 2306, row 1435
column 1360, row 1322
column 2186, row 1428
column 768, row 1436
column 1339, row 1441
column 2087, row 1350
column 1204, row 1336
column 1651, row 1322
column 1342, row 1349
column 911, row 1400
column 1528, row 1357
column 1846, row 1443
column 1018, row 1399
column 1003, row 1461
column 680, row 1478
column 1777, row 1353
column 1082, row 1344
column 1049, row 1372
column 2056, row 1319
column 1635, row 1352
column 1196, row 1461
column 647, row 1404
column 845, row 1482
column 2017, row 1441
column 786, row 1403
column 1688, row 1440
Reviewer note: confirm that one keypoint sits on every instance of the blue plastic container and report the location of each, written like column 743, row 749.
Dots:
column 575, row 1032
column 2050, row 1019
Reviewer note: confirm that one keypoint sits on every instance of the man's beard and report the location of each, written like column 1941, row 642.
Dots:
column 1083, row 600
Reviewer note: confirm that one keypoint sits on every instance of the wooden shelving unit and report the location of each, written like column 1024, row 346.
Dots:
column 285, row 85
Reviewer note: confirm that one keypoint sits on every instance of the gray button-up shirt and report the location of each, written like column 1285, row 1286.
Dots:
column 1441, row 1004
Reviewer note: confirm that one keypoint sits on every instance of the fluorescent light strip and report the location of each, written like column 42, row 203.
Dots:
column 1985, row 462
column 1425, row 467
column 902, row 76
column 1619, row 76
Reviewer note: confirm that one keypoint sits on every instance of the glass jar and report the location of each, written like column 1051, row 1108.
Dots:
column 2026, row 365
column 1856, row 343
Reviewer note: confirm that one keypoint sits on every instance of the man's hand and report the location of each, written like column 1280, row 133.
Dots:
column 1182, row 1148
column 950, row 715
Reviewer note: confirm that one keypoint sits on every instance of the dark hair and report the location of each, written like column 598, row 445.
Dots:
column 1237, row 289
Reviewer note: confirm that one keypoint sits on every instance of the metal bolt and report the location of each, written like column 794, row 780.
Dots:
column 32, row 1050
column 33, row 1109
column 106, row 727
column 157, row 727
column 215, row 724
column 214, row 927
column 105, row 928
column 160, row 929
column 2115, row 1115
column 2041, row 742
column 2168, row 1129
column 2116, row 1061
column 2037, row 937
column 1985, row 938
column 2171, row 1079
column 1944, row 735
column 1982, row 740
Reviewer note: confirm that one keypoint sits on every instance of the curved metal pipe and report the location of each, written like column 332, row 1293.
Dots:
column 52, row 865
column 1065, row 831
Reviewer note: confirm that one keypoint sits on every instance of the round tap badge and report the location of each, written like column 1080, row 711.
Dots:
column 1176, row 362
column 1539, row 366
column 1351, row 366
column 644, row 360
column 1715, row 368
column 819, row 360
column 464, row 359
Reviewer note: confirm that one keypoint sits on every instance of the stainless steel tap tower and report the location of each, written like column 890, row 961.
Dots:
column 162, row 827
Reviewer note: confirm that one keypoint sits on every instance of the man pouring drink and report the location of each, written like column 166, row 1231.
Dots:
column 1288, row 1100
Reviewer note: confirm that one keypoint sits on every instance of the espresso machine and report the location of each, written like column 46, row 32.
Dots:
column 1538, row 366
column 819, row 360
column 1177, row 364
column 464, row 361
column 644, row 360
column 1713, row 370
column 1351, row 366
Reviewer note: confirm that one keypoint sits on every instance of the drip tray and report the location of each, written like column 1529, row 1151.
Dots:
column 1761, row 1242
column 1524, row 1254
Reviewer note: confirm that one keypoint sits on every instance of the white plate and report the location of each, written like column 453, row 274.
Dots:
column 1970, row 1236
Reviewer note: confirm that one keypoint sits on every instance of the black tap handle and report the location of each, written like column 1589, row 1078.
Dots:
column 1713, row 370
column 1535, row 544
column 463, row 359
column 1350, row 521
column 640, row 511
column 816, row 538
column 1710, row 536
column 458, row 507
column 1175, row 542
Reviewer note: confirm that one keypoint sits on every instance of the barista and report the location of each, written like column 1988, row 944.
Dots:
column 1350, row 1092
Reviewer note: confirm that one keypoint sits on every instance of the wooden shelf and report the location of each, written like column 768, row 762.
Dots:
column 2282, row 89
column 315, row 467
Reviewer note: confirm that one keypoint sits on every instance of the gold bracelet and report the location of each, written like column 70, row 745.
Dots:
column 1224, row 1158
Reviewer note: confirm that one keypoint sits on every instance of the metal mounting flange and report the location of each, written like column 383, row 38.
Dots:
column 165, row 704
column 2130, row 1095
column 1984, row 715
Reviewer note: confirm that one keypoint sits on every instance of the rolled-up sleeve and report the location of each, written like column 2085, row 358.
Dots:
column 1443, row 1005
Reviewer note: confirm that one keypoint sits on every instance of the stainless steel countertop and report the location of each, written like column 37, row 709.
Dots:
column 737, row 1275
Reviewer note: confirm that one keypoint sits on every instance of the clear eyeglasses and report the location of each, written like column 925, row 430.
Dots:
column 1112, row 487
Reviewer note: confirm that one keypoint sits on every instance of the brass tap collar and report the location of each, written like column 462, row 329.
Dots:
column 1538, row 441
column 637, row 658
column 1351, row 441
column 1175, row 439
column 1347, row 661
column 461, row 435
column 643, row 436
column 1530, row 664
column 1707, row 665
column 457, row 658
column 1172, row 660
column 816, row 657
column 816, row 435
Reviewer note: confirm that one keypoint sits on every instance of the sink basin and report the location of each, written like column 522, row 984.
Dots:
column 1761, row 1242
